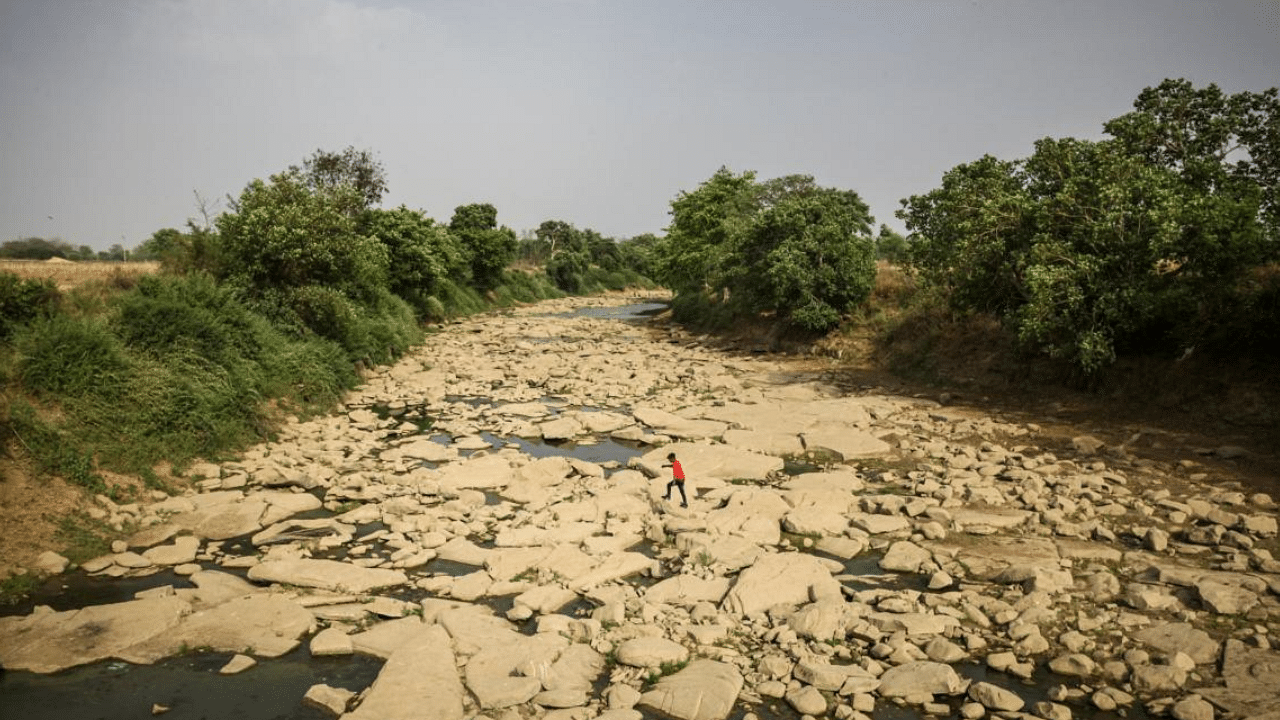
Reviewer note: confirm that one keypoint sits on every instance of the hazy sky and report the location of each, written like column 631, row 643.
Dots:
column 596, row 112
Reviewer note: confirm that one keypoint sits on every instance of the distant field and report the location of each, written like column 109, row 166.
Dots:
column 69, row 274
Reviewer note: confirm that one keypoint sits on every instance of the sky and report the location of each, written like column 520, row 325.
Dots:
column 117, row 115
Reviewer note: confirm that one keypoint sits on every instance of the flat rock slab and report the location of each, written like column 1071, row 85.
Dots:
column 1251, row 676
column 994, row 554
column 266, row 625
column 703, row 690
column 1181, row 637
column 845, row 441
column 688, row 590
column 780, row 579
column 46, row 642
column 920, row 677
column 718, row 462
column 327, row 575
column 419, row 680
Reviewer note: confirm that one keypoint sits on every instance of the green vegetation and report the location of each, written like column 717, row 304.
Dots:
column 1156, row 239
column 84, row 538
column 270, row 308
column 14, row 588
column 786, row 247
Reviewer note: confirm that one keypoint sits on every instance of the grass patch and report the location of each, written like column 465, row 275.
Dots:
column 15, row 588
column 84, row 538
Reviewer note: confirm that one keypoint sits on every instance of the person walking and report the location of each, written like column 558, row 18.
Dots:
column 677, row 479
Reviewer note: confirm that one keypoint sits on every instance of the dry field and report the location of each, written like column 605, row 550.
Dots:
column 70, row 274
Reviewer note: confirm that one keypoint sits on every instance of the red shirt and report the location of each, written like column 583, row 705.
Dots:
column 676, row 471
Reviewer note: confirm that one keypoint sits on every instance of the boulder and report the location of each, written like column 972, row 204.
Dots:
column 919, row 677
column 780, row 579
column 703, row 690
column 419, row 680
column 648, row 652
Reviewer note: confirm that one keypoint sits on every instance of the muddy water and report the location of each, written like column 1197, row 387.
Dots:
column 191, row 686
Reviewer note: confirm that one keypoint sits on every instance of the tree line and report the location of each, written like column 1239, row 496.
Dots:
column 1163, row 237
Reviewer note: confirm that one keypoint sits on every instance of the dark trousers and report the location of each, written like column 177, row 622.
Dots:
column 679, row 484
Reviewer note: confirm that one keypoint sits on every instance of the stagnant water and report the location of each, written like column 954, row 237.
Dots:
column 192, row 688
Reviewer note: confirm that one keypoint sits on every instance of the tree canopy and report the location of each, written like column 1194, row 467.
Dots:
column 1088, row 248
column 785, row 246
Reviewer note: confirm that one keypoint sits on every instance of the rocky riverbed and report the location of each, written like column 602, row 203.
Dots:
column 844, row 554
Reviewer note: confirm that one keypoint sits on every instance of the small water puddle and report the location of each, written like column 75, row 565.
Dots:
column 189, row 685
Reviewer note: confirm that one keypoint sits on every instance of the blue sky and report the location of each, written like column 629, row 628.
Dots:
column 114, row 113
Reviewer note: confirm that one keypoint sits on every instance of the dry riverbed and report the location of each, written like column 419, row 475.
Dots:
column 486, row 517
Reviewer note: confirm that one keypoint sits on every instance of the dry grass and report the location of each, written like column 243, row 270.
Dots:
column 72, row 274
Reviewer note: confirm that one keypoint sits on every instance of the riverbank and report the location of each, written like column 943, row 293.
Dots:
column 847, row 550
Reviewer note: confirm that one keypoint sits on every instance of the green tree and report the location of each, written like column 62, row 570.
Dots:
column 698, row 249
column 422, row 255
column 785, row 245
column 163, row 243
column 282, row 235
column 808, row 256
column 1094, row 248
column 489, row 248
column 34, row 248
column 891, row 246
column 972, row 235
column 326, row 172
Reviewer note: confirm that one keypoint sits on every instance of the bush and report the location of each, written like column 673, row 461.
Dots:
column 566, row 270
column 283, row 235
column 22, row 301
column 66, row 356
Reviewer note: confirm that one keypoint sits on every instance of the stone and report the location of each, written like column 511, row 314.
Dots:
column 237, row 664
column 650, row 652
column 271, row 625
column 806, row 700
column 331, row 699
column 1155, row 679
column 943, row 650
column 925, row 677
column 905, row 556
column 1181, row 637
column 823, row 620
column 995, row 697
column 326, row 575
column 183, row 550
column 1192, row 707
column 1073, row 665
column 688, row 590
column 419, row 680
column 780, row 579
column 703, row 690
column 47, row 641
column 50, row 563
column 331, row 641
column 1225, row 599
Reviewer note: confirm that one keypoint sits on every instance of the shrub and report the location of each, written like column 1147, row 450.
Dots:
column 63, row 355
column 22, row 301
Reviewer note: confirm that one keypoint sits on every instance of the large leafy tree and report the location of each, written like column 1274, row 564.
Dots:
column 489, row 248
column 422, row 256
column 808, row 257
column 284, row 235
column 695, row 254
column 1090, row 248
column 783, row 245
column 327, row 172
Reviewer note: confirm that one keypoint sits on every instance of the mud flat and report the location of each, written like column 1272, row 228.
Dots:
column 843, row 554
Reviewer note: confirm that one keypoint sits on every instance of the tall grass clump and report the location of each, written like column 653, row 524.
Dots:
column 24, row 300
column 66, row 357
